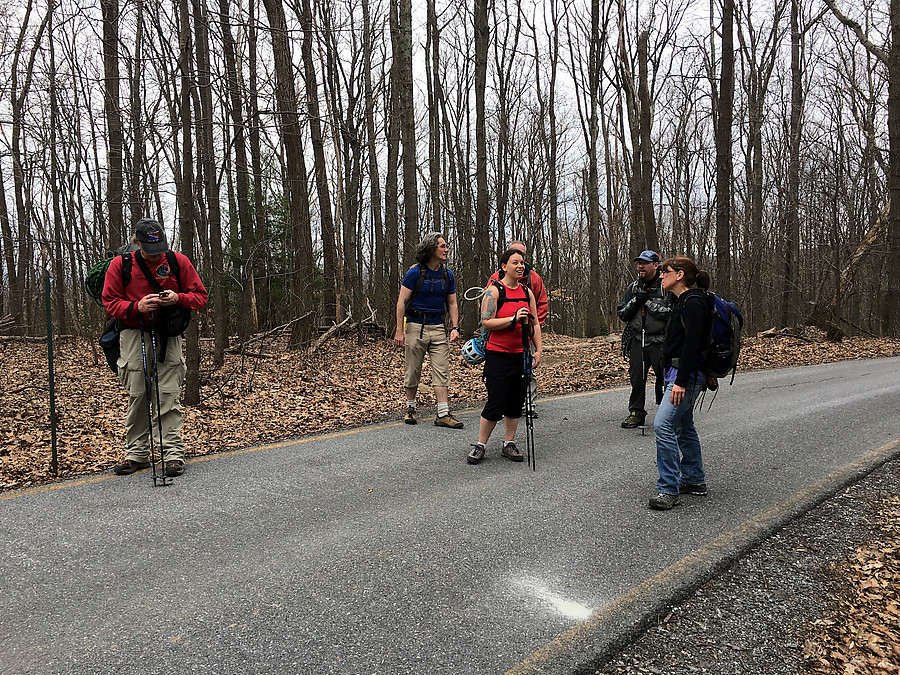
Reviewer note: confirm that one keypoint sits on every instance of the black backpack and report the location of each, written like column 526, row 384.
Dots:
column 501, row 290
column 445, row 278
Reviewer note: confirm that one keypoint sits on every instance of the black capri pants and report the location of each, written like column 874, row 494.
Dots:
column 506, row 385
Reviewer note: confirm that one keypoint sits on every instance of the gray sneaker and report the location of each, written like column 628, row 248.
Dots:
column 510, row 451
column 664, row 502
column 476, row 454
column 700, row 490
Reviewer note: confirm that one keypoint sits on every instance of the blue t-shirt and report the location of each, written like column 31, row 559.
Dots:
column 430, row 298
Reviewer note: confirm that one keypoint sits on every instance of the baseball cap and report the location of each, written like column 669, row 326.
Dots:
column 151, row 236
column 648, row 256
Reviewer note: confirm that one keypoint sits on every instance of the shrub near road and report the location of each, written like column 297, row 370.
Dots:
column 269, row 394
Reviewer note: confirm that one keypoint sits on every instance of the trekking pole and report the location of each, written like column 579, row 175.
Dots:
column 529, row 399
column 162, row 452
column 147, row 397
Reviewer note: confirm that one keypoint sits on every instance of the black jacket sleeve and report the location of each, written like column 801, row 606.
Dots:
column 628, row 306
column 693, row 314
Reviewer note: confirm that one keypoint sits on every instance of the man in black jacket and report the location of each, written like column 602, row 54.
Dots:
column 645, row 307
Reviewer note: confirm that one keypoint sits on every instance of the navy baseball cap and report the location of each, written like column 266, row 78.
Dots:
column 648, row 256
column 151, row 236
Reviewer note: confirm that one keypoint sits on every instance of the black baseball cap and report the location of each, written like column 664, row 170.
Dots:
column 151, row 236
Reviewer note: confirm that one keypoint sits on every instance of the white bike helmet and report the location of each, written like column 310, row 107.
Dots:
column 473, row 352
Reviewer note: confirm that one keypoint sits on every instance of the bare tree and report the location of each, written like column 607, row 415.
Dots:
column 890, row 308
column 115, row 134
column 296, row 175
column 724, row 119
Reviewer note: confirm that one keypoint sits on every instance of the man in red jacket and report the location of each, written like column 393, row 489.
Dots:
column 137, row 291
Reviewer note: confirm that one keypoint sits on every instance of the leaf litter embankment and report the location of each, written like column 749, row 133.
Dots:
column 280, row 393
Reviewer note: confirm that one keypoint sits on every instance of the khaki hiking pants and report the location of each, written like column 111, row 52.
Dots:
column 138, row 426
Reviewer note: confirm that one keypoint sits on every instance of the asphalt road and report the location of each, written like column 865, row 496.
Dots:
column 379, row 550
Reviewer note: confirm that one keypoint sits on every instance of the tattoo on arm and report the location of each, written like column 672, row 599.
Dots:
column 489, row 307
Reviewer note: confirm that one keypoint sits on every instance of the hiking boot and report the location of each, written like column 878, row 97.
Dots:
column 510, row 451
column 476, row 454
column 664, row 502
column 129, row 466
column 448, row 421
column 699, row 490
column 410, row 416
column 634, row 420
column 174, row 468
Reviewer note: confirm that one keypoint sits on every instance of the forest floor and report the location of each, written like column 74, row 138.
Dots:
column 269, row 393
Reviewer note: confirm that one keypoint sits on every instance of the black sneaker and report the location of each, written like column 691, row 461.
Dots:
column 664, row 502
column 510, row 451
column 699, row 490
column 634, row 420
column 129, row 466
column 476, row 454
column 174, row 468
column 410, row 416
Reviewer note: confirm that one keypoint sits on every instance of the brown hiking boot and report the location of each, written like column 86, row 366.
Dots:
column 129, row 466
column 448, row 421
column 174, row 468
column 410, row 416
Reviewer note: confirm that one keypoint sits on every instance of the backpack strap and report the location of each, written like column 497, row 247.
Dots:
column 127, row 259
column 172, row 259
column 420, row 281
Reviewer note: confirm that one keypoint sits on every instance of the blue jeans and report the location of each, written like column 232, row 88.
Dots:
column 678, row 455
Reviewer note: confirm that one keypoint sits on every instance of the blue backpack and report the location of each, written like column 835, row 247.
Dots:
column 724, row 338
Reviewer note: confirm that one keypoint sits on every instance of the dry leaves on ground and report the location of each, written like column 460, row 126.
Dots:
column 860, row 632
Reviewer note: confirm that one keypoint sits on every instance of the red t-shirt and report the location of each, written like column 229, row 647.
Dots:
column 509, row 340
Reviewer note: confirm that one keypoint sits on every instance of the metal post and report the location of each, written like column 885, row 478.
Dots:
column 54, row 458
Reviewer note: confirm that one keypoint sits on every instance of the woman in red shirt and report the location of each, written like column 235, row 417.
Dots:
column 507, row 309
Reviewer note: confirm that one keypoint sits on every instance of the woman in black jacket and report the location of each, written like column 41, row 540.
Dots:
column 678, row 455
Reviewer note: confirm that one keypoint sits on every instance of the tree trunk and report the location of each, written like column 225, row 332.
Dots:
column 136, row 196
column 296, row 176
column 651, row 240
column 206, row 150
column 114, row 133
column 402, row 81
column 321, row 171
column 724, row 158
column 248, row 322
column 382, row 299
column 185, row 193
column 891, row 312
column 792, row 218
column 482, row 206
column 259, row 262
column 55, row 182
column 593, row 322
